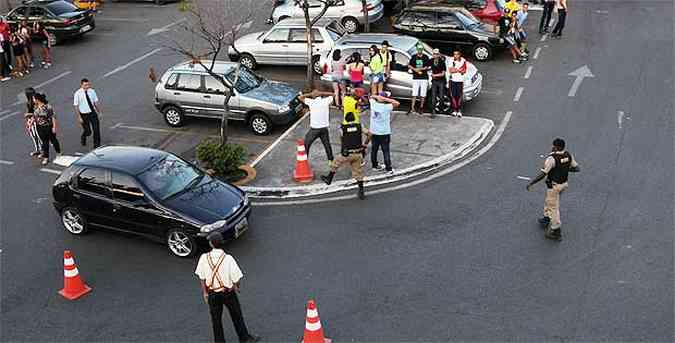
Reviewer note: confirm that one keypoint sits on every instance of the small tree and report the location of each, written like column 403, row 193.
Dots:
column 210, row 27
column 309, row 23
column 364, row 8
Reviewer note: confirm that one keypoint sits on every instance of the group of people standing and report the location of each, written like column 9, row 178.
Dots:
column 42, row 126
column 16, row 49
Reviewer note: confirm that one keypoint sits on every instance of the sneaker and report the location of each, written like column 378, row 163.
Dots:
column 49, row 64
column 378, row 167
column 454, row 113
column 45, row 161
column 390, row 172
column 43, row 63
column 553, row 235
column 459, row 114
column 516, row 61
column 524, row 54
column 544, row 221
column 6, row 78
column 32, row 65
column 34, row 154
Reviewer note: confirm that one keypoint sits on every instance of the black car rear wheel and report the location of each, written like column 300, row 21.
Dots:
column 180, row 243
column 73, row 221
column 482, row 52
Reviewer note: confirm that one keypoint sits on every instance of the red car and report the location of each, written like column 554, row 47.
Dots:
column 488, row 11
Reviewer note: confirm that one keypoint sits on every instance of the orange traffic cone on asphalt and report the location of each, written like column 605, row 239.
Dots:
column 303, row 173
column 73, row 286
column 313, row 328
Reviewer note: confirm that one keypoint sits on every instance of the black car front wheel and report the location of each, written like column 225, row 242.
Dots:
column 180, row 243
column 73, row 221
column 482, row 52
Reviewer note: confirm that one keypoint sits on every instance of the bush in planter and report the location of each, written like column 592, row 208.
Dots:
column 224, row 159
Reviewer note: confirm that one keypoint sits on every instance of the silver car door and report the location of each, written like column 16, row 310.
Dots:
column 400, row 81
column 272, row 47
column 297, row 47
column 188, row 93
column 215, row 93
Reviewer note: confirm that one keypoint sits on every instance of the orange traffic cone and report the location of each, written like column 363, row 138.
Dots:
column 303, row 173
column 313, row 329
column 73, row 286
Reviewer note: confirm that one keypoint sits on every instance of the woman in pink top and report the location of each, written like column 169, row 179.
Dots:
column 355, row 69
column 337, row 68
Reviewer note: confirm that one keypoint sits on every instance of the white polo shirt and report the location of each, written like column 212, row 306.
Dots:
column 228, row 271
column 319, row 111
column 80, row 100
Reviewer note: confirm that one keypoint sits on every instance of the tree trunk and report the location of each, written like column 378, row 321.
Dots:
column 224, row 118
column 364, row 4
column 310, row 65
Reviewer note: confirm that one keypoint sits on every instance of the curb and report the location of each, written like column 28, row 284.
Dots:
column 295, row 192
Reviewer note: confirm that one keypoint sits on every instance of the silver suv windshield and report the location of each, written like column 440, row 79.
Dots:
column 247, row 79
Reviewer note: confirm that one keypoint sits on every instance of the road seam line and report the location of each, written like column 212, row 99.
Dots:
column 528, row 73
column 134, row 61
column 519, row 92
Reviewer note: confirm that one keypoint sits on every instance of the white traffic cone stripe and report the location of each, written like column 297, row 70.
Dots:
column 302, row 157
column 312, row 313
column 68, row 261
column 70, row 273
column 312, row 326
column 301, row 148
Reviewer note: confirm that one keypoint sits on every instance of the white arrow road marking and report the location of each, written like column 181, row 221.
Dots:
column 619, row 118
column 519, row 92
column 543, row 38
column 120, row 68
column 21, row 97
column 528, row 72
column 164, row 28
column 580, row 74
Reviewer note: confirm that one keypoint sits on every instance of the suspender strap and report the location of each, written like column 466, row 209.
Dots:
column 214, row 273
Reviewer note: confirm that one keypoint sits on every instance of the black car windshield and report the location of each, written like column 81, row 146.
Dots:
column 247, row 79
column 169, row 177
column 61, row 7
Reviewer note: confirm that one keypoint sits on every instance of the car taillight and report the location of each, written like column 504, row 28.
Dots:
column 325, row 68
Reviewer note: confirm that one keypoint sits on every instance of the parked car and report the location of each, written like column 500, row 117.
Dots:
column 150, row 193
column 449, row 27
column 286, row 43
column 188, row 90
column 61, row 18
column 488, row 11
column 402, row 49
column 348, row 12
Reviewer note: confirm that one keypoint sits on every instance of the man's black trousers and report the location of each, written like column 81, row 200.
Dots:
column 227, row 299
column 322, row 133
column 90, row 124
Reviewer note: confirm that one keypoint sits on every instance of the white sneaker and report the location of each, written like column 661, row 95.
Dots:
column 5, row 79
column 459, row 114
column 379, row 167
column 390, row 172
column 454, row 113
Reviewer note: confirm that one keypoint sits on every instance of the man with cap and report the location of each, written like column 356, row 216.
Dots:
column 418, row 67
column 438, row 81
column 353, row 147
column 557, row 166
column 220, row 277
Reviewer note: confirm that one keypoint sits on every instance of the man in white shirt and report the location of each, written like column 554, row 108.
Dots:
column 319, row 113
column 88, row 111
column 457, row 69
column 219, row 277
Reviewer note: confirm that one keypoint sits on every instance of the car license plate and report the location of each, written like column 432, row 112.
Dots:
column 85, row 28
column 240, row 228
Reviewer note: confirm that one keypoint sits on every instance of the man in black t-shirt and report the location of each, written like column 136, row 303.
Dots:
column 438, row 81
column 418, row 67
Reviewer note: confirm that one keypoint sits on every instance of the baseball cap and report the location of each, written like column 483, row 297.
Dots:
column 436, row 51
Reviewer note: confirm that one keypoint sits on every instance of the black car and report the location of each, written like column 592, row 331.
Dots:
column 61, row 18
column 151, row 193
column 448, row 27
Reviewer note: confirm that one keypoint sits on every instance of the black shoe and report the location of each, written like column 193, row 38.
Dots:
column 544, row 221
column 362, row 192
column 327, row 179
column 251, row 339
column 83, row 142
column 553, row 235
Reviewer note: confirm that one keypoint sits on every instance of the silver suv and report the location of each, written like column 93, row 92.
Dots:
column 187, row 90
column 348, row 12
column 286, row 43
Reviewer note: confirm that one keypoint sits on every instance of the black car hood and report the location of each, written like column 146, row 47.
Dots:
column 207, row 202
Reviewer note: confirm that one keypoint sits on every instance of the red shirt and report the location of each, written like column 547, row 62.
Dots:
column 4, row 29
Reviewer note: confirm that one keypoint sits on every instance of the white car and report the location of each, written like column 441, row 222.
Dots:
column 348, row 12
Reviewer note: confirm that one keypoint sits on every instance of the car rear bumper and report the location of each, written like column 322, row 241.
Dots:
column 74, row 31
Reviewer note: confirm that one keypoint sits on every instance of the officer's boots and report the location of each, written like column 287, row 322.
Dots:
column 554, row 234
column 328, row 179
column 544, row 221
column 362, row 192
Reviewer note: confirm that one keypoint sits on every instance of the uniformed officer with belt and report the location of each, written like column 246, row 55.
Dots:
column 557, row 166
column 220, row 277
column 353, row 147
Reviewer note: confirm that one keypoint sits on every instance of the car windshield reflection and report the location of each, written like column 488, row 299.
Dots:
column 247, row 79
column 169, row 177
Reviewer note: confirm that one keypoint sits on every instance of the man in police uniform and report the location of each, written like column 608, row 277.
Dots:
column 353, row 147
column 220, row 276
column 557, row 166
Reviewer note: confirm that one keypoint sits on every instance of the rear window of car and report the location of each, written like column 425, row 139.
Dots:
column 61, row 7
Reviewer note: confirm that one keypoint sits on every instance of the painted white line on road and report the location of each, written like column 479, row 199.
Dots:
column 619, row 118
column 130, row 20
column 122, row 67
column 9, row 115
column 491, row 92
column 51, row 171
column 8, row 163
column 528, row 72
column 519, row 92
column 5, row 112
column 602, row 11
column 479, row 153
column 140, row 128
column 536, row 52
column 276, row 142
column 523, row 178
column 164, row 28
column 21, row 97
column 543, row 38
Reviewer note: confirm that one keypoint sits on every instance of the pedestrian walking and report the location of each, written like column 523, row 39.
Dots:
column 561, row 5
column 4, row 62
column 337, row 71
column 546, row 16
column 418, row 66
column 42, row 37
column 457, row 69
column 351, row 153
column 521, row 22
column 319, row 114
column 355, row 70
column 556, row 168
column 220, row 280
column 47, row 126
column 30, row 124
column 381, row 107
column 88, row 112
column 438, row 81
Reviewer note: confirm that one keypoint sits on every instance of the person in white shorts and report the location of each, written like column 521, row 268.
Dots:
column 418, row 67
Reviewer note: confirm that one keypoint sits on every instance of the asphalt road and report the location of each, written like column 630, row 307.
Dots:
column 458, row 258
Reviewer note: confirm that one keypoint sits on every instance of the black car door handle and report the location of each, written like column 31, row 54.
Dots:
column 116, row 207
column 207, row 96
column 176, row 93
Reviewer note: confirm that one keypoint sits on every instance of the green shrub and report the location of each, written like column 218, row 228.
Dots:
column 224, row 159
